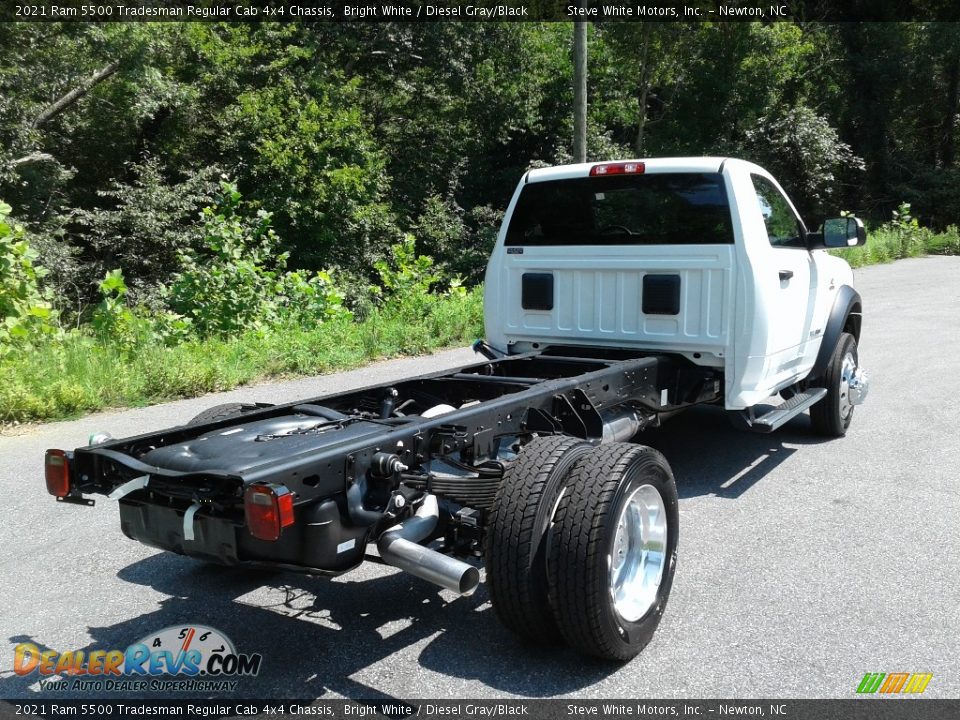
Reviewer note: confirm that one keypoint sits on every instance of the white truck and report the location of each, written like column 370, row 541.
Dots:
column 618, row 294
column 703, row 257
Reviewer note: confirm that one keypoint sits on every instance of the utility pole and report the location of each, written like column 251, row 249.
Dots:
column 580, row 88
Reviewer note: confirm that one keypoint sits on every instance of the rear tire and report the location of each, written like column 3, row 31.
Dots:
column 613, row 550
column 222, row 412
column 833, row 415
column 515, row 556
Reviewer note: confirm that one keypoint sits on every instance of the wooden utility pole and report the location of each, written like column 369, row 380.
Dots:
column 646, row 67
column 580, row 88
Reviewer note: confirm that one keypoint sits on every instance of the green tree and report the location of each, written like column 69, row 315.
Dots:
column 25, row 309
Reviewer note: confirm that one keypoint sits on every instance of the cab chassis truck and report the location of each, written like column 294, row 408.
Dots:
column 617, row 295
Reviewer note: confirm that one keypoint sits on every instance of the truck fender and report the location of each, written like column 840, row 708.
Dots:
column 845, row 316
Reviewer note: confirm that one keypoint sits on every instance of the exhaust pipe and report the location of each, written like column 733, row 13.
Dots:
column 620, row 424
column 398, row 547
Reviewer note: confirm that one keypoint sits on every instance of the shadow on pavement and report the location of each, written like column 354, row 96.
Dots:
column 710, row 457
column 315, row 634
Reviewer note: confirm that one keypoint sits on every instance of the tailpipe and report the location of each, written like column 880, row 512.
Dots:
column 429, row 565
column 620, row 424
column 399, row 547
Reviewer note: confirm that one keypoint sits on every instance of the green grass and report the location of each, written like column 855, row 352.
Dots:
column 887, row 244
column 78, row 375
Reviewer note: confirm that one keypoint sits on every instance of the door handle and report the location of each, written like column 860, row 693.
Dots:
column 786, row 274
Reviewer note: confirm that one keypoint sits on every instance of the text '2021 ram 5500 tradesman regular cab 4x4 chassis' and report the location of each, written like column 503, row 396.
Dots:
column 617, row 294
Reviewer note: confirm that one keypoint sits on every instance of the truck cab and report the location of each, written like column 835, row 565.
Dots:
column 706, row 258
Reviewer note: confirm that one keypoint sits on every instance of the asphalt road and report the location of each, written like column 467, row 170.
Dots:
column 803, row 564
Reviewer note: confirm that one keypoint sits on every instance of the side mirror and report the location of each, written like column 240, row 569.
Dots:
column 844, row 232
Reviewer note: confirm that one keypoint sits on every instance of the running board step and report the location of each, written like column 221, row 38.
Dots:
column 786, row 411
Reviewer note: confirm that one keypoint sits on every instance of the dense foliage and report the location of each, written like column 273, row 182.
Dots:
column 354, row 135
column 232, row 313
column 24, row 308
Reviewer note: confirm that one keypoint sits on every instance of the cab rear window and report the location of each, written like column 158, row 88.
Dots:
column 654, row 209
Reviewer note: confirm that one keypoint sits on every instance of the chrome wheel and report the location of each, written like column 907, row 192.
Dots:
column 613, row 550
column 848, row 372
column 638, row 555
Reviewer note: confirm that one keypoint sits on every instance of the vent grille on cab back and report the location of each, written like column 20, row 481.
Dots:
column 661, row 294
column 536, row 291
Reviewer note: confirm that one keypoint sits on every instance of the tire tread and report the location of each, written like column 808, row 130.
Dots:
column 825, row 415
column 514, row 545
column 577, row 548
column 221, row 412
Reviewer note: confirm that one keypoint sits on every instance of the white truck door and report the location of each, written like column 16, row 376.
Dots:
column 786, row 283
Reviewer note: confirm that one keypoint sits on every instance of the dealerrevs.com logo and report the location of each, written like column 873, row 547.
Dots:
column 190, row 658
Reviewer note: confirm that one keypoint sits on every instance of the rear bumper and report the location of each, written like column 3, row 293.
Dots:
column 317, row 543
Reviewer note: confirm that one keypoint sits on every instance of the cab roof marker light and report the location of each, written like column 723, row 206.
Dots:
column 622, row 168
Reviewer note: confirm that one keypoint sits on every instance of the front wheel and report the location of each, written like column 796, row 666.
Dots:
column 833, row 415
column 613, row 550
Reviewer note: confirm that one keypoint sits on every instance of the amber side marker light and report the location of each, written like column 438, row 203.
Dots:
column 268, row 509
column 56, row 470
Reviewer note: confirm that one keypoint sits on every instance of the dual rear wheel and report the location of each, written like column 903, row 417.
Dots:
column 582, row 545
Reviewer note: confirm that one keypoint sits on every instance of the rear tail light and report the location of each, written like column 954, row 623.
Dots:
column 623, row 168
column 56, row 469
column 269, row 509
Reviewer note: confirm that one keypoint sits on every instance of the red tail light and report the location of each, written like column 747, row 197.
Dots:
column 56, row 469
column 269, row 509
column 623, row 168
